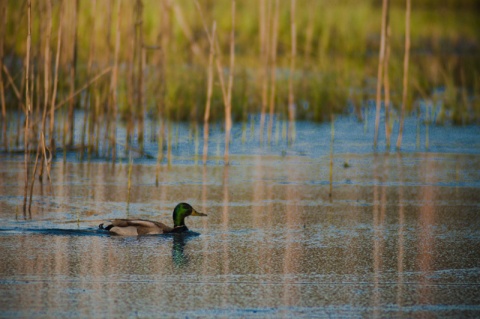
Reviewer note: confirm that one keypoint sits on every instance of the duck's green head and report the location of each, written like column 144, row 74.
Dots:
column 181, row 211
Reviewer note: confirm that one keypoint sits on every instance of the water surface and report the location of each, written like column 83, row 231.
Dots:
column 390, row 235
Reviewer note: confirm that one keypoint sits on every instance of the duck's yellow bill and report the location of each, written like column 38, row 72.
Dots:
column 195, row 213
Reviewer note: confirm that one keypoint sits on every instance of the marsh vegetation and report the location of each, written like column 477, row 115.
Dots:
column 72, row 72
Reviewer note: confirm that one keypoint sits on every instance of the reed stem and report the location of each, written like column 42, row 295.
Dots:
column 28, row 107
column 381, row 57
column 291, row 97
column 87, row 105
column 209, row 94
column 129, row 183
column 406, row 59
column 130, row 75
column 73, row 72
column 3, row 25
column 139, row 50
column 55, row 79
column 273, row 69
column 46, row 82
column 228, row 105
column 113, row 83
column 386, row 82
column 264, row 57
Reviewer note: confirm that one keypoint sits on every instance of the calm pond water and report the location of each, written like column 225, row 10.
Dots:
column 398, row 237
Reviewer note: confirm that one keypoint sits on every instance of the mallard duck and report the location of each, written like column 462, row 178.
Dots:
column 134, row 227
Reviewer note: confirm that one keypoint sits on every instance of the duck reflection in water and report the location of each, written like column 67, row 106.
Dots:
column 179, row 258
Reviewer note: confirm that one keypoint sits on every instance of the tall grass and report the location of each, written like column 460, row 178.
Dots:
column 298, row 59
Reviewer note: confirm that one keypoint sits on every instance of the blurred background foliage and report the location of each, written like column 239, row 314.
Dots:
column 336, row 62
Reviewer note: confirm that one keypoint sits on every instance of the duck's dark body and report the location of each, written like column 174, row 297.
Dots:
column 135, row 227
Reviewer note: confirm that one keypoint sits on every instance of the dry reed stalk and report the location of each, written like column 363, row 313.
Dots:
column 87, row 97
column 406, row 59
column 73, row 72
column 131, row 82
column 139, row 50
column 33, row 178
column 163, row 57
column 94, row 110
column 386, row 82
column 55, row 79
column 105, row 113
column 47, row 63
column 163, row 62
column 105, row 119
column 46, row 83
column 36, row 97
column 143, row 107
column 291, row 97
column 113, row 83
column 27, row 100
column 160, row 150
column 273, row 69
column 169, row 143
column 3, row 24
column 95, row 129
column 209, row 94
column 228, row 105
column 264, row 22
column 129, row 181
column 381, row 57
column 262, row 27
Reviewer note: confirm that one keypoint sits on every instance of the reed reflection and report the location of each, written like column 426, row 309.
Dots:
column 426, row 222
column 378, row 242
column 293, row 248
column 225, row 225
column 401, row 232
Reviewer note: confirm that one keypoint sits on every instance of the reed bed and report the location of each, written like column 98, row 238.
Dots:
column 118, row 62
